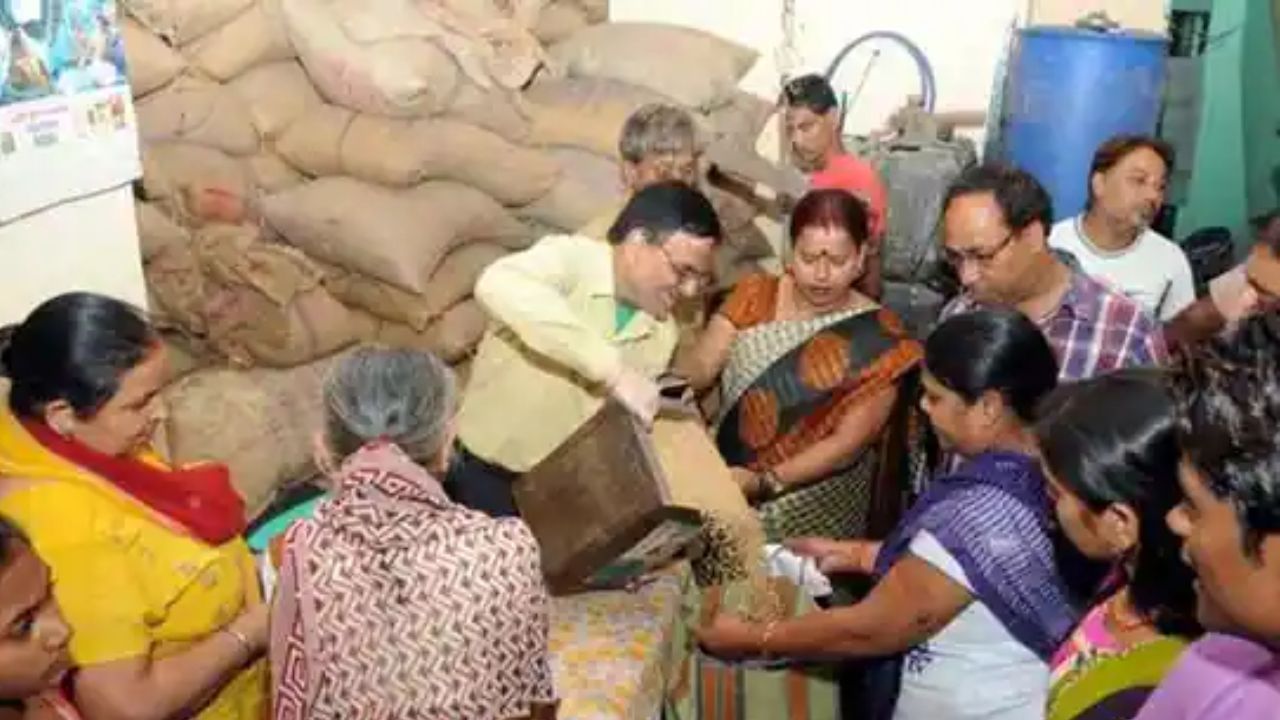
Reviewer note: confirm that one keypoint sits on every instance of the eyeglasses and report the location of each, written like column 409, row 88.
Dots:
column 687, row 276
column 957, row 258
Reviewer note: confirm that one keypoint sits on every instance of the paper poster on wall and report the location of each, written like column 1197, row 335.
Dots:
column 67, row 126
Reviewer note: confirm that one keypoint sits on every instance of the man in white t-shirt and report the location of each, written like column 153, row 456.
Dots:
column 1112, row 239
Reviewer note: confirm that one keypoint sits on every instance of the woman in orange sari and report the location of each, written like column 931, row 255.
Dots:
column 808, row 372
column 149, row 567
column 809, row 375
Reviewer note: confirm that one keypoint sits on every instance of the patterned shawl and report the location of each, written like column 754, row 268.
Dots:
column 789, row 383
column 394, row 603
column 993, row 517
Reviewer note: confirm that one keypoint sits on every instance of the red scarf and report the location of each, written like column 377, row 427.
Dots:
column 200, row 497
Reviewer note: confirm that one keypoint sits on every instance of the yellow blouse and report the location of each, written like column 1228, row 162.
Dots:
column 129, row 583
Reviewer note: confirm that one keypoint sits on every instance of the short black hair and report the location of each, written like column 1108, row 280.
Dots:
column 1227, row 392
column 663, row 209
column 74, row 348
column 996, row 350
column 1112, row 440
column 1116, row 149
column 812, row 92
column 1022, row 199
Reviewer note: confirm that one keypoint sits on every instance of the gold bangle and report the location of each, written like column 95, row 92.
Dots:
column 241, row 639
column 764, row 638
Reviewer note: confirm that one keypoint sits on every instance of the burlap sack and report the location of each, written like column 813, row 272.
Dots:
column 497, row 110
column 597, row 11
column 256, row 36
column 699, row 70
column 264, row 302
column 157, row 231
column 276, row 95
column 195, row 184
column 261, row 423
column 523, row 13
column 183, row 358
column 589, row 186
column 397, row 236
column 181, row 21
column 584, row 113
column 385, row 151
column 452, row 283
column 453, row 336
column 559, row 21
column 400, row 153
column 176, row 288
column 456, row 278
column 269, row 173
column 381, row 300
column 365, row 56
column 313, row 143
column 742, row 119
column 150, row 61
column 198, row 112
column 490, row 40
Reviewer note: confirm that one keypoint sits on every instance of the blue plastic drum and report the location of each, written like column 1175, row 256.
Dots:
column 1071, row 89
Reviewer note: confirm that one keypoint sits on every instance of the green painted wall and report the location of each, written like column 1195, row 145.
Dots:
column 1236, row 169
column 1261, row 108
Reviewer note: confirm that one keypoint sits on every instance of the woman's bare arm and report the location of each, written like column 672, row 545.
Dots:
column 911, row 604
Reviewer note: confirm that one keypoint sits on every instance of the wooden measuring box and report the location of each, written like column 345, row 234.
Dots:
column 601, row 507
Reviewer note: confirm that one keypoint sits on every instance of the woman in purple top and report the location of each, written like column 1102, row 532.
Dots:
column 1228, row 395
column 968, row 605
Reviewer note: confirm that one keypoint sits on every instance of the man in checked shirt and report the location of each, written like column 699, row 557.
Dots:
column 996, row 222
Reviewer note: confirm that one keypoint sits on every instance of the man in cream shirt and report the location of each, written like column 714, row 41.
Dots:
column 1113, row 241
column 574, row 322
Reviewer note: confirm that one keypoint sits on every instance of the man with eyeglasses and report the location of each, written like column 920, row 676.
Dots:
column 575, row 322
column 996, row 221
column 1252, row 288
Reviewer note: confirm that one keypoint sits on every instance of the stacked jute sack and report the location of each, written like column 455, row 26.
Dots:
column 323, row 172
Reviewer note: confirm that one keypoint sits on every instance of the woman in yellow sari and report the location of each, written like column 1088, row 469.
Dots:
column 148, row 564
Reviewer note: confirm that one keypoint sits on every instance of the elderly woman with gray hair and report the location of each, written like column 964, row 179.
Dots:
column 393, row 602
